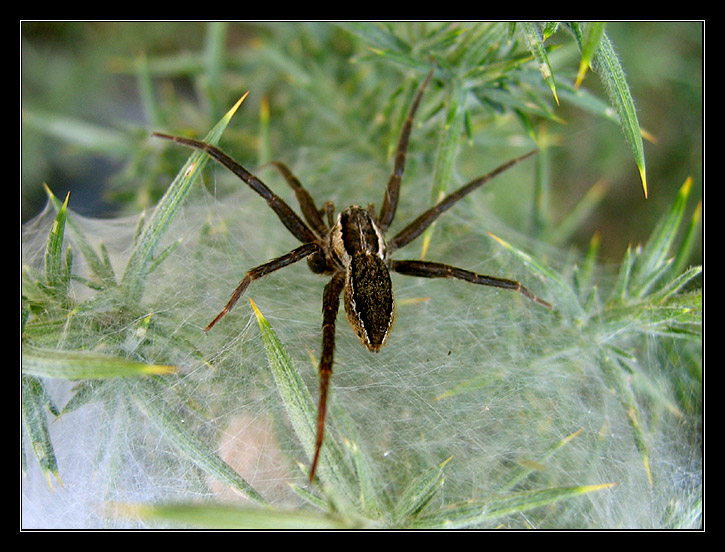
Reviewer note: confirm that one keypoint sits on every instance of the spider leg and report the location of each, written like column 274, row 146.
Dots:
column 307, row 204
column 289, row 218
column 330, row 306
column 428, row 269
column 262, row 270
column 418, row 226
column 328, row 209
column 392, row 192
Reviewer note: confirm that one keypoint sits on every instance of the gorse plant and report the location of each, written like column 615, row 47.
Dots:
column 480, row 410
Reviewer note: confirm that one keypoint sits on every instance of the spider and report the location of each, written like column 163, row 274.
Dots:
column 354, row 252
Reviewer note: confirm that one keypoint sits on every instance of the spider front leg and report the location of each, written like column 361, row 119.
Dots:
column 392, row 192
column 419, row 225
column 427, row 269
column 330, row 306
column 262, row 270
column 312, row 214
column 284, row 212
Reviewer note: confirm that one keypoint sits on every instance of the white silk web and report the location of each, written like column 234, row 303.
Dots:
column 478, row 375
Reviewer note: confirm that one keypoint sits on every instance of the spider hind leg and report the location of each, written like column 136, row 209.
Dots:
column 262, row 270
column 330, row 306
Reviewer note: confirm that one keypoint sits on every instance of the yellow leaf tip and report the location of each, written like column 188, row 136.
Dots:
column 570, row 437
column 643, row 177
column 499, row 240
column 233, row 110
column 49, row 479
column 685, row 189
column 443, row 464
column 257, row 312
column 161, row 369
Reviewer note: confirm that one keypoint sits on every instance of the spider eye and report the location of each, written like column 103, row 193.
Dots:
column 369, row 301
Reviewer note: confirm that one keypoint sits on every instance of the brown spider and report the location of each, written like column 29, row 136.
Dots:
column 354, row 252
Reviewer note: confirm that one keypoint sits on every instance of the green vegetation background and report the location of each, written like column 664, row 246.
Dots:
column 88, row 107
column 81, row 71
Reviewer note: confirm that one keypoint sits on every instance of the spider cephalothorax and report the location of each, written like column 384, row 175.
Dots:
column 355, row 253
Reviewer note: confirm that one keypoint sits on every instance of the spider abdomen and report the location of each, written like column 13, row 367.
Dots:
column 369, row 301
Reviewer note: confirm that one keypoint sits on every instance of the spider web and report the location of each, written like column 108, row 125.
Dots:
column 470, row 373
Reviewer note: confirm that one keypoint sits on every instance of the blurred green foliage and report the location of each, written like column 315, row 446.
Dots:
column 329, row 98
column 86, row 115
